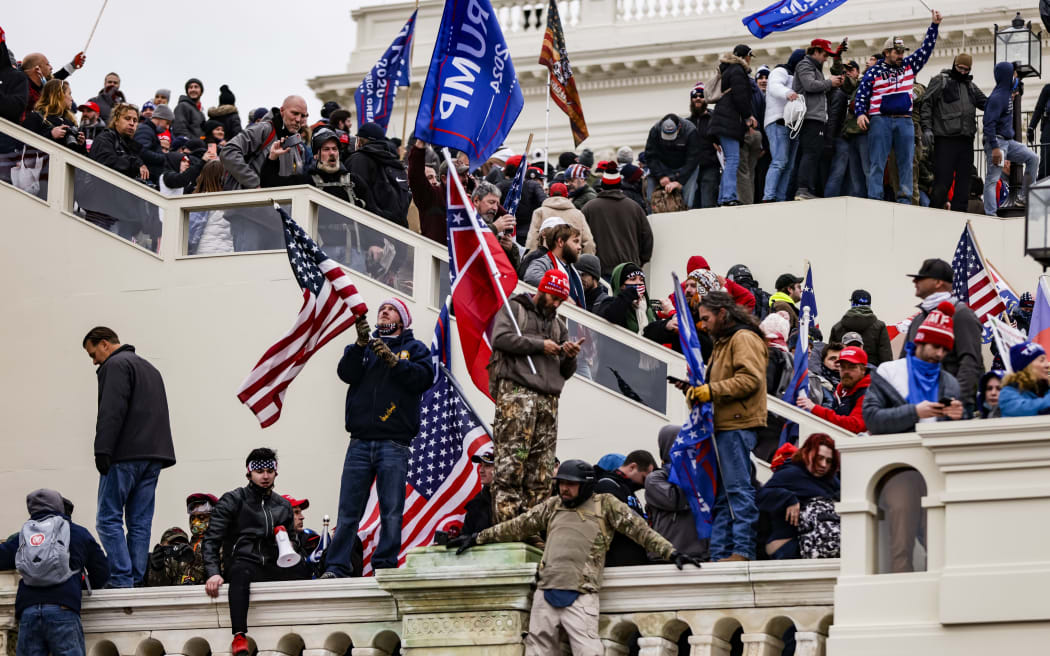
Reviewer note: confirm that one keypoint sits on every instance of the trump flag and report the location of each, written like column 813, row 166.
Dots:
column 375, row 96
column 471, row 97
column 786, row 14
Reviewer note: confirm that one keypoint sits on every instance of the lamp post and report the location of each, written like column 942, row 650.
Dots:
column 1018, row 45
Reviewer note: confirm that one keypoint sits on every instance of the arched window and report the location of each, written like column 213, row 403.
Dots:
column 901, row 544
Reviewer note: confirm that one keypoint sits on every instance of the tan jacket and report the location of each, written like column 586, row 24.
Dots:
column 509, row 350
column 737, row 376
column 563, row 207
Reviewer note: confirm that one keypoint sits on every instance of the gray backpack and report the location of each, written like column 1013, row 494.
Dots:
column 43, row 551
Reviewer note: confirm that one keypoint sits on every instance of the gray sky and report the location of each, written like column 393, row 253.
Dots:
column 263, row 50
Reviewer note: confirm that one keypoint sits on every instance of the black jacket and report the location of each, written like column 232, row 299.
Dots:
column 862, row 320
column 43, row 125
column 189, row 119
column 84, row 555
column 382, row 403
column 675, row 159
column 837, row 101
column 242, row 525
column 373, row 163
column 176, row 179
column 341, row 184
column 107, row 101
column 623, row 551
column 708, row 154
column 151, row 154
column 132, row 419
column 596, row 298
column 117, row 152
column 14, row 88
column 230, row 119
column 532, row 196
column 735, row 106
column 479, row 512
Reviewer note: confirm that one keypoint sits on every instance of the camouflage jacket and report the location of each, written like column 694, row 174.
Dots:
column 615, row 516
column 164, row 568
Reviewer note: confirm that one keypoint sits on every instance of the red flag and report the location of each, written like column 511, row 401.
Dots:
column 477, row 296
column 563, row 91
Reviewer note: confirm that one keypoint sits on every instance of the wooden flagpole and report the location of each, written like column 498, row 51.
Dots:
column 93, row 27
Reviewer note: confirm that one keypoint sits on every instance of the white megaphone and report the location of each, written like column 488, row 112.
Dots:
column 287, row 555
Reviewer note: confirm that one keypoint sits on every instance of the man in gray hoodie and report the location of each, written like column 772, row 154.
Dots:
column 809, row 81
column 667, row 505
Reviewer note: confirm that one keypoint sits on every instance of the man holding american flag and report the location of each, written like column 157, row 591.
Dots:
column 387, row 371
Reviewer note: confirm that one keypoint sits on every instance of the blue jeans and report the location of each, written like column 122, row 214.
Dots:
column 386, row 462
column 50, row 629
column 839, row 165
column 127, row 492
column 728, row 535
column 731, row 151
column 887, row 134
column 1018, row 154
column 782, row 149
column 859, row 165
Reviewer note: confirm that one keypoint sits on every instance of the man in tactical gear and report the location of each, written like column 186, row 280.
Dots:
column 580, row 525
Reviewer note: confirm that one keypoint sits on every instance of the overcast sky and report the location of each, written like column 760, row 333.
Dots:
column 263, row 50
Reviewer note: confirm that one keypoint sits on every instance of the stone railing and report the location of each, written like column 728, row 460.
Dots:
column 646, row 10
column 531, row 15
column 474, row 604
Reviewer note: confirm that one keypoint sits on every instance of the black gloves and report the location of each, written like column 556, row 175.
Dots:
column 630, row 292
column 680, row 560
column 102, row 463
column 462, row 543
column 385, row 354
column 362, row 330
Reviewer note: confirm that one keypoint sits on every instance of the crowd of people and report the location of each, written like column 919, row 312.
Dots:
column 580, row 234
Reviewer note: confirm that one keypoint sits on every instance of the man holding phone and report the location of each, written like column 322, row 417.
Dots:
column 528, row 370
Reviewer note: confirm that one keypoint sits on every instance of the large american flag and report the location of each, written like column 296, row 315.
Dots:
column 971, row 282
column 331, row 304
column 441, row 476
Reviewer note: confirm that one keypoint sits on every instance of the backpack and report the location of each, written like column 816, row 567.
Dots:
column 392, row 194
column 43, row 551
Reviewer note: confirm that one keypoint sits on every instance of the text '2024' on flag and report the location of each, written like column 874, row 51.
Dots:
column 441, row 478
column 376, row 93
column 471, row 97
column 331, row 304
column 694, row 463
column 786, row 14
column 555, row 57
column 481, row 276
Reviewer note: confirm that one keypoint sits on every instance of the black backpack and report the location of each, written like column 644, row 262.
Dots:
column 392, row 195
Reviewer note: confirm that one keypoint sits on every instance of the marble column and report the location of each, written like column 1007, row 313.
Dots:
column 810, row 643
column 650, row 646
column 761, row 644
column 708, row 645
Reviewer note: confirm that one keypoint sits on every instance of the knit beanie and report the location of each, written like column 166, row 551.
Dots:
column 706, row 281
column 556, row 283
column 963, row 59
column 938, row 328
column 776, row 327
column 226, row 96
column 1022, row 355
column 697, row 262
column 577, row 172
column 402, row 309
column 586, row 157
column 191, row 81
column 610, row 174
column 624, row 155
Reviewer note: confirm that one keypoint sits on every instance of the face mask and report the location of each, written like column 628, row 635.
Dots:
column 198, row 525
column 386, row 328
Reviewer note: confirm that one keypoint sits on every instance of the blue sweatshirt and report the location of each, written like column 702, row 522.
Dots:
column 999, row 110
column 1016, row 403
column 84, row 553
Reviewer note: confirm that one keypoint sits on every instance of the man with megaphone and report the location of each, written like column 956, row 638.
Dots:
column 254, row 530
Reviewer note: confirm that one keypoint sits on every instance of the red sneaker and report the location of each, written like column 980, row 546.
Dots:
column 240, row 646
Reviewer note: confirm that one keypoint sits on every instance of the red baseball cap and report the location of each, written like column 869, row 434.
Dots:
column 556, row 283
column 302, row 504
column 854, row 355
column 93, row 106
column 823, row 44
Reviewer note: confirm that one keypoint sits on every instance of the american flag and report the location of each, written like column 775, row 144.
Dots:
column 441, row 476
column 331, row 304
column 516, row 185
column 971, row 282
column 694, row 464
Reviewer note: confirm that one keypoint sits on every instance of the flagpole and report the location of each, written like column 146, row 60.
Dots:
column 547, row 131
column 408, row 98
column 493, row 269
column 459, row 390
column 93, row 27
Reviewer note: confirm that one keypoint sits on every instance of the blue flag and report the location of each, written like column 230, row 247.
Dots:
column 375, row 96
column 786, row 14
column 807, row 316
column 510, row 203
column 471, row 97
column 694, row 464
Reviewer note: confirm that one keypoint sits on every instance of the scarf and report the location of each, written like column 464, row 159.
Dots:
column 923, row 378
column 930, row 303
column 576, row 291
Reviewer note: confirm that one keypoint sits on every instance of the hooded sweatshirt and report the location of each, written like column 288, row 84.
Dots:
column 779, row 86
column 667, row 504
column 999, row 110
column 623, row 312
column 862, row 320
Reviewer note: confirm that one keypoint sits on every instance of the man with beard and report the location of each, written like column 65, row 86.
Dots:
column 580, row 524
column 328, row 173
column 736, row 388
column 710, row 169
column 528, row 369
column 109, row 96
column 622, row 483
column 376, row 163
column 846, row 408
column 486, row 203
column 563, row 250
column 700, row 283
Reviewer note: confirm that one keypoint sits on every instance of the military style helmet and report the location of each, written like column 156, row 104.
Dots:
column 576, row 471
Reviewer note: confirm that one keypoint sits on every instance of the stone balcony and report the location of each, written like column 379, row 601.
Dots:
column 439, row 604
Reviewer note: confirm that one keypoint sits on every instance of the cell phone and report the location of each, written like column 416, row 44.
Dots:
column 946, row 401
column 292, row 140
column 212, row 148
column 677, row 381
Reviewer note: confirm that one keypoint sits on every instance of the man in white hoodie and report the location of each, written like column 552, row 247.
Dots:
column 782, row 147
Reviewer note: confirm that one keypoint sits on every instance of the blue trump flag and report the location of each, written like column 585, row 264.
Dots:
column 807, row 317
column 694, row 463
column 786, row 14
column 510, row 203
column 375, row 96
column 471, row 97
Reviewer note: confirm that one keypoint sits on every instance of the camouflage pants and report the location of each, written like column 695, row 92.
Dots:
column 525, row 434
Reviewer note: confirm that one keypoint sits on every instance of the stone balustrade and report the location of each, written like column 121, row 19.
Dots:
column 474, row 604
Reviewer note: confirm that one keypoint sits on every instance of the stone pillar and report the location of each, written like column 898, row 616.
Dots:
column 368, row 651
column 708, row 645
column 613, row 648
column 475, row 604
column 650, row 646
column 319, row 652
column 810, row 643
column 761, row 644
